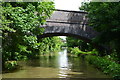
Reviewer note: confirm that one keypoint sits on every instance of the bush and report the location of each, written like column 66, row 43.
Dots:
column 107, row 66
column 10, row 65
column 77, row 51
column 69, row 49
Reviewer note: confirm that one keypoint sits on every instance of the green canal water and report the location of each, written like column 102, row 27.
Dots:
column 59, row 66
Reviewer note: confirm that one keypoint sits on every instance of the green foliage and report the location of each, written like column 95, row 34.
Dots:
column 78, row 52
column 10, row 65
column 74, row 42
column 50, row 44
column 104, row 17
column 77, row 46
column 20, row 27
column 112, row 57
column 107, row 66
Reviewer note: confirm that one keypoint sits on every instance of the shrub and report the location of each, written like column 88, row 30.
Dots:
column 107, row 66
column 10, row 65
column 77, row 51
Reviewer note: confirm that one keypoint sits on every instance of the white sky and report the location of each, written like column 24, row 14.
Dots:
column 63, row 37
column 68, row 4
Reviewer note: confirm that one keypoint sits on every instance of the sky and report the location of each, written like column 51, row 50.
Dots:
column 68, row 4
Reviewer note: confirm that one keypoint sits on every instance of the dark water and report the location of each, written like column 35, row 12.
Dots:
column 58, row 66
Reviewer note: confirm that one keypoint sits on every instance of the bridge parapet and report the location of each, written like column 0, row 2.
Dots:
column 68, row 17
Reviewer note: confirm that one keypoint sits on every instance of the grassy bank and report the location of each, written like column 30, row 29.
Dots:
column 107, row 66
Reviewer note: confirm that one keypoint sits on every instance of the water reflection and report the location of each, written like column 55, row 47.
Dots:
column 63, row 59
column 63, row 64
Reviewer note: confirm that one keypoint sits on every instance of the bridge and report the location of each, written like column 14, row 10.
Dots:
column 69, row 23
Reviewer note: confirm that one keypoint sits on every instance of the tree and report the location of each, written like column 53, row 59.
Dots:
column 20, row 27
column 104, row 17
column 74, row 42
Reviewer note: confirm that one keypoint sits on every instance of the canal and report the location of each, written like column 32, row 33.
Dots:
column 60, row 65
